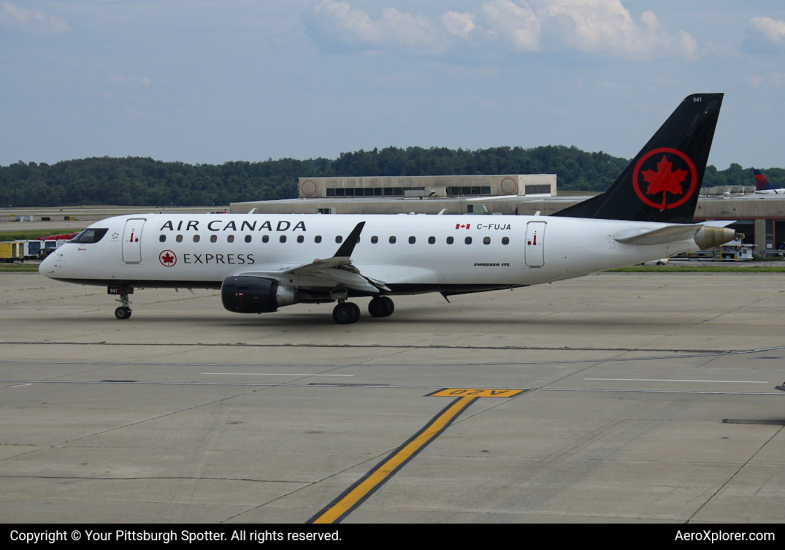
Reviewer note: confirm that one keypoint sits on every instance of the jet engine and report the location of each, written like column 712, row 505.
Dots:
column 255, row 295
column 709, row 237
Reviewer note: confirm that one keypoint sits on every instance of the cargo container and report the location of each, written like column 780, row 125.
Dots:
column 12, row 251
column 33, row 250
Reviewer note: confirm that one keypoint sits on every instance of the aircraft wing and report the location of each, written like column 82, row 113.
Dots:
column 328, row 272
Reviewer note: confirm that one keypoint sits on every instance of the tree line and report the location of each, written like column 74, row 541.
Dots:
column 135, row 181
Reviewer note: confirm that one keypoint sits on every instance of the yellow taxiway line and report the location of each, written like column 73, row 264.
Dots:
column 364, row 488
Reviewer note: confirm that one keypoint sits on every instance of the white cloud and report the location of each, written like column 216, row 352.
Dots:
column 338, row 26
column 31, row 20
column 513, row 23
column 500, row 26
column 458, row 24
column 764, row 35
column 770, row 29
column 607, row 26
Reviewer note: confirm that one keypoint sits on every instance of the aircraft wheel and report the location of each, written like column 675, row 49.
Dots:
column 346, row 313
column 122, row 312
column 355, row 311
column 381, row 306
column 377, row 308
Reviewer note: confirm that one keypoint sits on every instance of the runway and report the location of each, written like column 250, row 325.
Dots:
column 616, row 397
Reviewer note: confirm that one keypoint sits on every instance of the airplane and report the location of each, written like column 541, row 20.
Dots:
column 263, row 262
column 762, row 184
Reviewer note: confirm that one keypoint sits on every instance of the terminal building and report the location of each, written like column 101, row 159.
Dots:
column 499, row 194
column 760, row 218
column 429, row 186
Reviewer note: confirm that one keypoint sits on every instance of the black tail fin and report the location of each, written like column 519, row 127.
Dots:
column 662, row 183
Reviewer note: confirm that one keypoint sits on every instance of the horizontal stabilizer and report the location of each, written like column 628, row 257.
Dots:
column 717, row 223
column 664, row 235
column 705, row 236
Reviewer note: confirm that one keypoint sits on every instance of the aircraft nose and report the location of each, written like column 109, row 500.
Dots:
column 47, row 266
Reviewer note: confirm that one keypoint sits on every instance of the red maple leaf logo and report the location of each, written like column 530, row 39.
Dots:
column 681, row 183
column 664, row 179
column 167, row 258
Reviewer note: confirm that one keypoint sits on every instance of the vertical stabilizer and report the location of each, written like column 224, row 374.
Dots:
column 762, row 184
column 662, row 182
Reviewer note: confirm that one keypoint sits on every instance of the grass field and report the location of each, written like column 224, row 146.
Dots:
column 18, row 268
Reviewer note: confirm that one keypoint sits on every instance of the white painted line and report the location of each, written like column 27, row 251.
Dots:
column 669, row 380
column 18, row 385
column 272, row 374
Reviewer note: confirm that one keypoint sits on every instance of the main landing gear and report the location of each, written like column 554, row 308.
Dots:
column 381, row 306
column 346, row 313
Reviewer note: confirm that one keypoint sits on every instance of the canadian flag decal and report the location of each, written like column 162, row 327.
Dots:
column 462, row 226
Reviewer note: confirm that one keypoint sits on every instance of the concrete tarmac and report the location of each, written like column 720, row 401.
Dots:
column 648, row 398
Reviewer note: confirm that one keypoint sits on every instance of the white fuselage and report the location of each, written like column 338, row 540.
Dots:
column 429, row 253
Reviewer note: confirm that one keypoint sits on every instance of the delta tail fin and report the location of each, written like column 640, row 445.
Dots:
column 662, row 182
column 762, row 182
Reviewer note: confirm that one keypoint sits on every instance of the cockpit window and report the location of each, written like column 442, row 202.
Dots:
column 90, row 235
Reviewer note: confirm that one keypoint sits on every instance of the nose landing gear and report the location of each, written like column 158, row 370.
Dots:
column 124, row 311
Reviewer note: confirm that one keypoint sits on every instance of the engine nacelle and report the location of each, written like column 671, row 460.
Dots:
column 709, row 237
column 255, row 295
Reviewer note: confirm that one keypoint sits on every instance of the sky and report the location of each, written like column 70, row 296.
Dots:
column 211, row 81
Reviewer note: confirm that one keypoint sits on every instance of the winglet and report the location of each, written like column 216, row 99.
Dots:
column 351, row 241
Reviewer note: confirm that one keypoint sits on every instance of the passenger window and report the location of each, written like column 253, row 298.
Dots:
column 486, row 240
column 450, row 240
column 248, row 238
column 468, row 240
column 374, row 239
column 317, row 239
column 505, row 240
column 431, row 240
column 162, row 238
column 230, row 239
column 300, row 238
column 412, row 240
column 196, row 238
column 392, row 240
column 338, row 239
column 282, row 238
column 265, row 238
column 213, row 238
column 179, row 238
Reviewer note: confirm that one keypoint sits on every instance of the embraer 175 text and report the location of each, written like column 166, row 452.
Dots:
column 264, row 262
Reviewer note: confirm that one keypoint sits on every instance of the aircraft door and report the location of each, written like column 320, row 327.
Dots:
column 132, row 241
column 535, row 244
